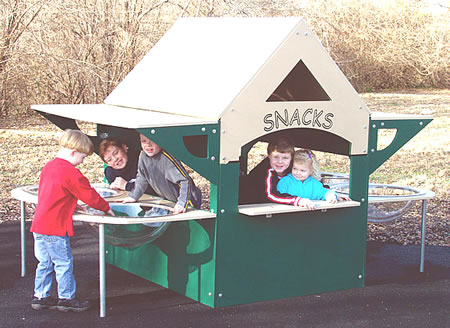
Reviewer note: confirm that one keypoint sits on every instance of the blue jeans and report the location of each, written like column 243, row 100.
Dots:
column 54, row 254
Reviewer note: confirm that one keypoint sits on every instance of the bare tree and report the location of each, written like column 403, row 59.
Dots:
column 77, row 51
column 16, row 15
column 90, row 45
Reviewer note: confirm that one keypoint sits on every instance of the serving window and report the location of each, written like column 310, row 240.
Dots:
column 330, row 163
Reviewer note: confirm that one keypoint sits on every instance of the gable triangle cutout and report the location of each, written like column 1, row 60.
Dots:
column 299, row 85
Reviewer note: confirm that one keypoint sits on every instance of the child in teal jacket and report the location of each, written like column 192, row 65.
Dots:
column 303, row 181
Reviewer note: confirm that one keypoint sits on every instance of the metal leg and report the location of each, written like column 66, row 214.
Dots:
column 101, row 253
column 424, row 224
column 22, row 238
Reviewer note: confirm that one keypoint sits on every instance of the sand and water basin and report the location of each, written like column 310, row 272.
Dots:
column 132, row 235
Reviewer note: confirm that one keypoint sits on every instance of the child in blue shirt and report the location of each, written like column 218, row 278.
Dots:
column 303, row 181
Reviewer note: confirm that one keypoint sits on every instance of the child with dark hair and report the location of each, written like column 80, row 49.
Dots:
column 121, row 161
column 260, row 185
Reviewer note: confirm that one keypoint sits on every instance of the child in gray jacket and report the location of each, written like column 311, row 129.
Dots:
column 166, row 175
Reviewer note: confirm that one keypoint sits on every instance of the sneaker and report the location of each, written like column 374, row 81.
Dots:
column 74, row 305
column 43, row 303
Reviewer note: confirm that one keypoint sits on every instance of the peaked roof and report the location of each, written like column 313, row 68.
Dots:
column 201, row 64
column 254, row 76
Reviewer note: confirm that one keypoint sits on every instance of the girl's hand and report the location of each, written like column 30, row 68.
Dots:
column 128, row 200
column 119, row 183
column 331, row 198
column 178, row 209
column 305, row 202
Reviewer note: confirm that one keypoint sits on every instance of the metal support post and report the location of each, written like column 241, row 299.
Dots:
column 22, row 239
column 424, row 224
column 101, row 253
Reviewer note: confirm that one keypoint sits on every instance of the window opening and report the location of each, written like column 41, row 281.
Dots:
column 385, row 138
column 197, row 145
column 299, row 85
column 334, row 169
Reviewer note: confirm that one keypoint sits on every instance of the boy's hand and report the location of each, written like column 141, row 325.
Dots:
column 178, row 209
column 307, row 203
column 110, row 212
column 343, row 197
column 128, row 200
column 119, row 183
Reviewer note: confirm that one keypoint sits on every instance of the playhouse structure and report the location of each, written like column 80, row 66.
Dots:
column 207, row 92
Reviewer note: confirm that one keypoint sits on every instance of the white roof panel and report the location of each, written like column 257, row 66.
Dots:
column 120, row 116
column 201, row 64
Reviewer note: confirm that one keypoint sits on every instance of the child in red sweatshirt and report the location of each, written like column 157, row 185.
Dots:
column 60, row 187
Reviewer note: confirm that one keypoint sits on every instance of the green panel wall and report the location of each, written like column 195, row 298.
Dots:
column 289, row 255
column 171, row 139
column 294, row 254
column 182, row 259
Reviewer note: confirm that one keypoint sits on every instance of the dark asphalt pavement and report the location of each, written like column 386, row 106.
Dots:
column 396, row 294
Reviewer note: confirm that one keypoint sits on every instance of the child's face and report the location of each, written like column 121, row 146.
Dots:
column 77, row 158
column 149, row 147
column 301, row 171
column 116, row 157
column 280, row 161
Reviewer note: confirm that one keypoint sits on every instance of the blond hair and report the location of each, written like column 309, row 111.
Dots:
column 75, row 139
column 306, row 156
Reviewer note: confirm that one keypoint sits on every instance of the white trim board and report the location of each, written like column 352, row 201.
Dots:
column 273, row 208
column 189, row 215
